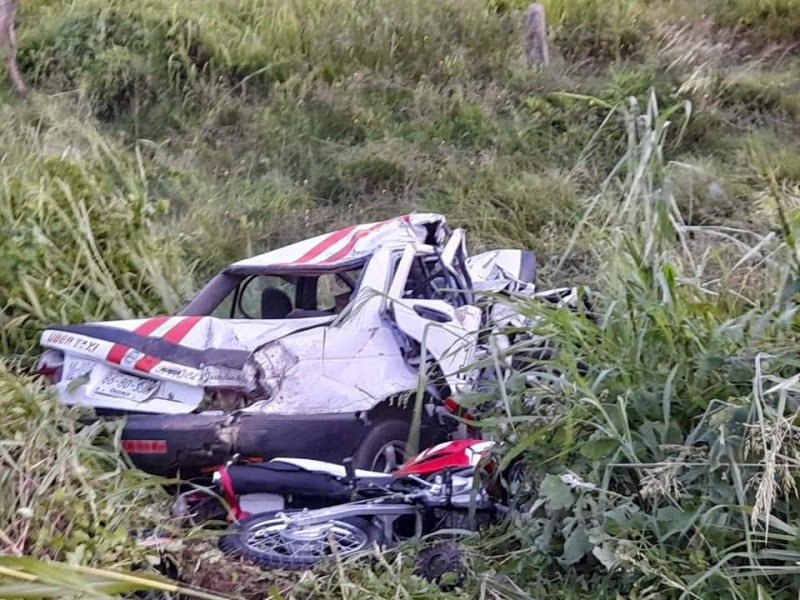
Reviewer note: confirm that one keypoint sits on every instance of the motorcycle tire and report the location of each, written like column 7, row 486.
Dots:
column 268, row 540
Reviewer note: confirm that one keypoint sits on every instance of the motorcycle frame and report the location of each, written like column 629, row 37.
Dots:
column 386, row 512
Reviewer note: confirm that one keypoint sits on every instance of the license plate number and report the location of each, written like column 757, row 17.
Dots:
column 114, row 384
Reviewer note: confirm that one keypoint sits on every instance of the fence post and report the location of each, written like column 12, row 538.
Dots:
column 536, row 34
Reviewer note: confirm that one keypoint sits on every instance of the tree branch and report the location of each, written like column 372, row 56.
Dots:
column 8, row 44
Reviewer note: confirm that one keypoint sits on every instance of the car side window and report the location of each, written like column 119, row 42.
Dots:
column 334, row 290
column 224, row 309
column 264, row 297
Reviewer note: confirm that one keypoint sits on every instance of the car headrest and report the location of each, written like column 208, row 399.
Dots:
column 275, row 303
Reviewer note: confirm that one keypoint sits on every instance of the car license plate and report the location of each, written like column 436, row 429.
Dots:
column 114, row 384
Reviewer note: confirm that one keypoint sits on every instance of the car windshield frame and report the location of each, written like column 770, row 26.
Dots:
column 227, row 282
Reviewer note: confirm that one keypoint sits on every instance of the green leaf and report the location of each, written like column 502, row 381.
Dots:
column 596, row 449
column 30, row 590
column 576, row 546
column 606, row 557
column 672, row 520
column 556, row 492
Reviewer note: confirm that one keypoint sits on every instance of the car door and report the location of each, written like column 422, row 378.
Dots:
column 433, row 311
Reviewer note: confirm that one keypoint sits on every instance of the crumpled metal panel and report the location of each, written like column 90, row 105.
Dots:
column 345, row 368
column 346, row 245
column 285, row 366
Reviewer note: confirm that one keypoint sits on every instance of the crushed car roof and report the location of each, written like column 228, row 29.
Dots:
column 350, row 244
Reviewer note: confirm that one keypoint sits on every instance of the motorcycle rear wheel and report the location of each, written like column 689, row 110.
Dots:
column 273, row 542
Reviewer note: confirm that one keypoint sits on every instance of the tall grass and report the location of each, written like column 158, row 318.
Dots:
column 679, row 445
column 77, row 240
column 258, row 43
column 769, row 20
column 66, row 493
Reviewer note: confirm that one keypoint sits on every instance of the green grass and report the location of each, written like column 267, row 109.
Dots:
column 164, row 140
column 771, row 20
column 68, row 495
column 76, row 235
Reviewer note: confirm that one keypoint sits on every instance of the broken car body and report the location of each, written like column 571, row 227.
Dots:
column 335, row 325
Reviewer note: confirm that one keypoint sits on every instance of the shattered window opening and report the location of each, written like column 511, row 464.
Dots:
column 251, row 298
column 263, row 296
column 335, row 290
column 429, row 280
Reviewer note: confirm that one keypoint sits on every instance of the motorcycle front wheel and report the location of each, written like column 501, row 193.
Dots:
column 276, row 542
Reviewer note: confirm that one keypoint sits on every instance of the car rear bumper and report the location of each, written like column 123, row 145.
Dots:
column 190, row 445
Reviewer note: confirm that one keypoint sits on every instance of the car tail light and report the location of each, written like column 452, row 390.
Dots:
column 51, row 365
column 145, row 446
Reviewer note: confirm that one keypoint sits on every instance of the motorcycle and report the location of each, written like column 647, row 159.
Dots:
column 294, row 513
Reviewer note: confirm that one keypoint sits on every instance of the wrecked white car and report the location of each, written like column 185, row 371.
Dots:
column 302, row 351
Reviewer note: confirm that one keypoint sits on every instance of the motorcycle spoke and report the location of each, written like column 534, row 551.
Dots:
column 277, row 538
column 266, row 541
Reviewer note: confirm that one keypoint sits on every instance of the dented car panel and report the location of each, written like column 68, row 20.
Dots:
column 347, row 245
column 410, row 294
column 333, row 370
column 156, row 365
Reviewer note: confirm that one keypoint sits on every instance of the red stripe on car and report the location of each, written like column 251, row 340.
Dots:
column 179, row 331
column 351, row 244
column 325, row 244
column 117, row 352
column 146, row 363
column 175, row 334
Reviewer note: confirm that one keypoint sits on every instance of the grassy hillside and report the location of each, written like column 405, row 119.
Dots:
column 657, row 160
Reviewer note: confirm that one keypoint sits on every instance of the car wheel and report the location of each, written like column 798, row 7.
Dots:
column 383, row 449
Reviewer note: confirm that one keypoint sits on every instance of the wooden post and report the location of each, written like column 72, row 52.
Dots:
column 8, row 43
column 536, row 34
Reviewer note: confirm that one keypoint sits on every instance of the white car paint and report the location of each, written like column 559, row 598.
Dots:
column 348, row 363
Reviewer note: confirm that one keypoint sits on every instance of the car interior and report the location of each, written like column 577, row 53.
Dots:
column 285, row 297
column 428, row 279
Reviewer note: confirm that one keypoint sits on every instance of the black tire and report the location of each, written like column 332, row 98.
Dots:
column 438, row 561
column 353, row 535
column 384, row 439
column 208, row 509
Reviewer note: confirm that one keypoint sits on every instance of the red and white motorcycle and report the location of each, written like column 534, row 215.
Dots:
column 293, row 513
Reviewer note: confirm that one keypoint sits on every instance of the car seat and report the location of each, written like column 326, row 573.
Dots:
column 275, row 303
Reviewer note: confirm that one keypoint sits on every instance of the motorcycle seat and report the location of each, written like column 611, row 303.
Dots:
column 299, row 477
column 338, row 471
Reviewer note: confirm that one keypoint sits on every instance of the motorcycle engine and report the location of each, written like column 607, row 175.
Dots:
column 458, row 519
